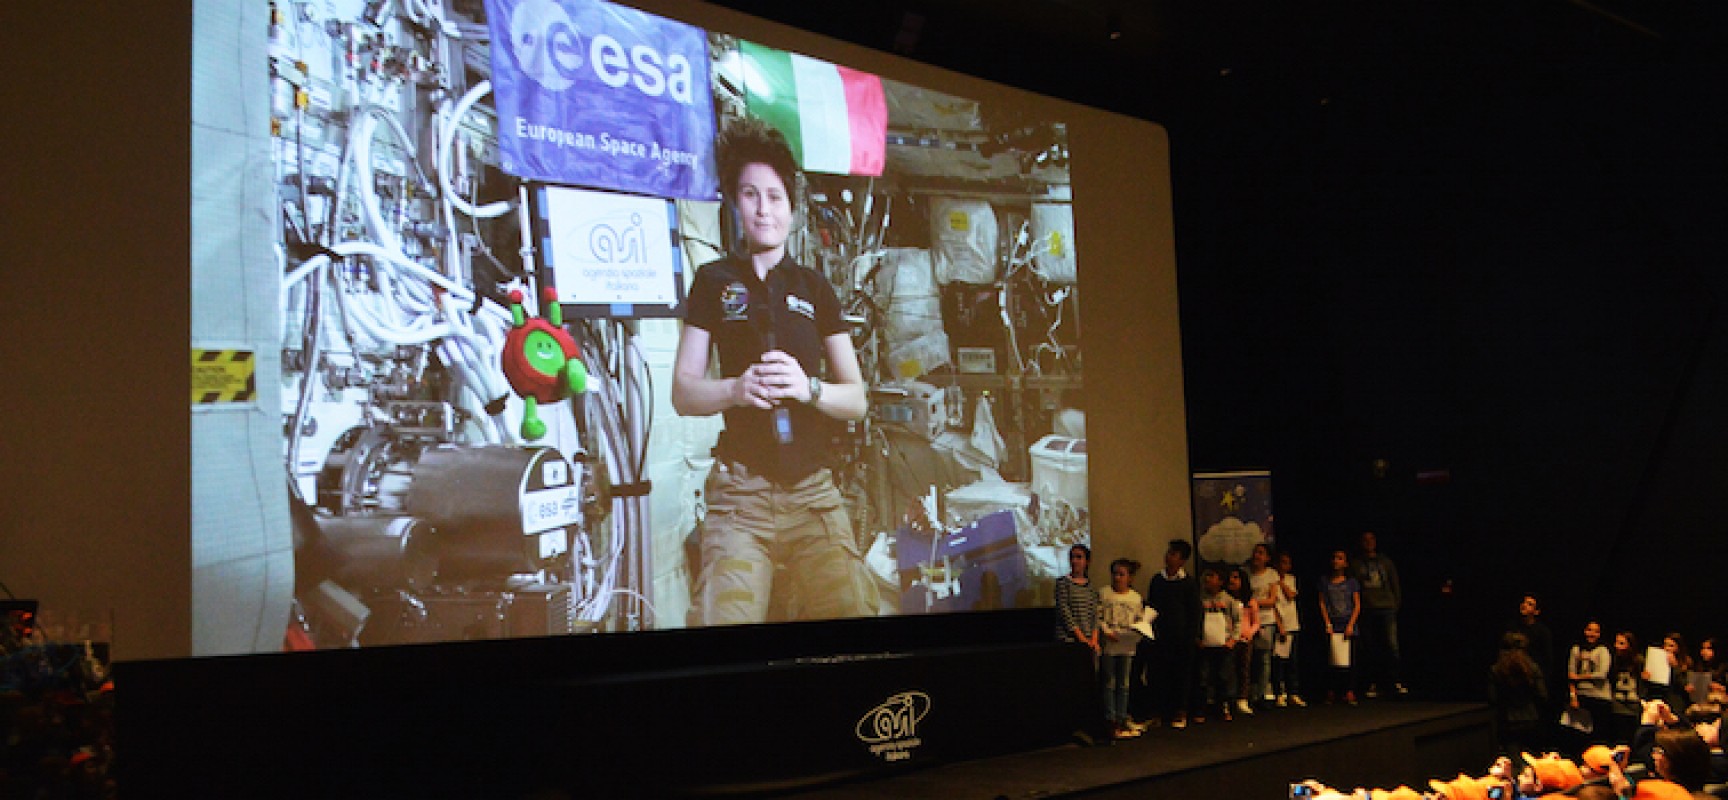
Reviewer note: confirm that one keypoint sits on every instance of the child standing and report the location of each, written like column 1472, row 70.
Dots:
column 1286, row 670
column 1169, row 669
column 1246, row 639
column 1120, row 610
column 1220, row 629
column 1077, row 601
column 1340, row 605
column 1263, row 585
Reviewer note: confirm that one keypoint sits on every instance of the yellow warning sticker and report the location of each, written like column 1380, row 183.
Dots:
column 223, row 376
column 959, row 221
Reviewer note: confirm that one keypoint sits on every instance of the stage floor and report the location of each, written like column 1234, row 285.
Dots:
column 1378, row 743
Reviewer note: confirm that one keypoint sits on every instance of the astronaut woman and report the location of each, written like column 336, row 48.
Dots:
column 773, row 323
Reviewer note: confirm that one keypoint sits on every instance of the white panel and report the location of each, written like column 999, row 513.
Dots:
column 242, row 545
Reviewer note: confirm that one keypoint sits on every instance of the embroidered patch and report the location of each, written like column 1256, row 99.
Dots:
column 801, row 306
column 735, row 302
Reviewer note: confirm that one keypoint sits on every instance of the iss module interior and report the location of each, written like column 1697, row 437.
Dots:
column 454, row 238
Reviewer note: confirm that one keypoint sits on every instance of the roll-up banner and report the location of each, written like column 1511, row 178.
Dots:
column 1232, row 513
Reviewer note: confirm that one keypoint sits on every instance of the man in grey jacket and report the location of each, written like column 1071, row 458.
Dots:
column 1381, row 598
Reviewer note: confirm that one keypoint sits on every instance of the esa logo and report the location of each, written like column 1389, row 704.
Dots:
column 550, row 50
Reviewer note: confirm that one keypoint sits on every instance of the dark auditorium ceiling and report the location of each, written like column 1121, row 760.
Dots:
column 1480, row 239
column 1168, row 55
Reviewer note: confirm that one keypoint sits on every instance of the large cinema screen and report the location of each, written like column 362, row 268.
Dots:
column 482, row 346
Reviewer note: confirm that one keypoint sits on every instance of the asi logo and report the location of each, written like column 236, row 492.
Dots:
column 549, row 49
column 891, row 729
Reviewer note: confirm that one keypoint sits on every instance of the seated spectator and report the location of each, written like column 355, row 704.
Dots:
column 1587, row 669
column 1711, row 662
column 1625, row 688
column 1673, row 692
column 1517, row 691
column 1680, row 755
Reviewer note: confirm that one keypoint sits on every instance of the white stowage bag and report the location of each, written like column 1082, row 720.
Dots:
column 963, row 236
column 916, row 340
column 1053, row 242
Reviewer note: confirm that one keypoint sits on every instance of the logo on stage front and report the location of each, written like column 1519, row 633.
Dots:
column 891, row 729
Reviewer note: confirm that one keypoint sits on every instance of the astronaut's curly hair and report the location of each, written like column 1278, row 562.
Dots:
column 751, row 141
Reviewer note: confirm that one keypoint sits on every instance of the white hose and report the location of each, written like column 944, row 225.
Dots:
column 396, row 259
column 383, row 331
column 366, row 186
column 446, row 141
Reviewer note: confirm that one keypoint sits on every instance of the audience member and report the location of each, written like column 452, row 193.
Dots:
column 1539, row 641
column 1340, row 607
column 1587, row 669
column 1673, row 690
column 1517, row 691
column 1539, row 647
column 1713, row 664
column 1680, row 755
column 1625, row 696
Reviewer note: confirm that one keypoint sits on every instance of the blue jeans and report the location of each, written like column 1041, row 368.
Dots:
column 1261, row 662
column 1217, row 677
column 1286, row 675
column 1379, row 646
column 1115, row 671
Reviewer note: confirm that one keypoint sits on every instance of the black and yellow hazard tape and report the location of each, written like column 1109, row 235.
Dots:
column 223, row 376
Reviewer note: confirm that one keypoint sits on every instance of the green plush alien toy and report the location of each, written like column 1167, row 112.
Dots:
column 540, row 360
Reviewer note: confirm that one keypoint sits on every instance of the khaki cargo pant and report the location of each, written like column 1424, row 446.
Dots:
column 754, row 524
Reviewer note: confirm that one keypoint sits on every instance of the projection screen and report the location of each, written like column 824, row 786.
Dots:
column 445, row 257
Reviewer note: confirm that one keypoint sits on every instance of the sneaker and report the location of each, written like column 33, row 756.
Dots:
column 1226, row 715
column 1373, row 692
column 1297, row 701
column 1180, row 722
column 1350, row 697
column 1243, row 707
column 1268, row 697
column 1399, row 688
column 1199, row 719
column 1331, row 697
column 1137, row 727
column 1122, row 733
column 1282, row 700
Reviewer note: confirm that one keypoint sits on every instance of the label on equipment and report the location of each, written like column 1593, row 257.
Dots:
column 545, row 509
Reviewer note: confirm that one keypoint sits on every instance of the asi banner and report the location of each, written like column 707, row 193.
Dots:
column 593, row 94
column 1232, row 513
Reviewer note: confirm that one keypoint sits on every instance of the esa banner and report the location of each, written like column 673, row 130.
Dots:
column 593, row 94
column 1232, row 513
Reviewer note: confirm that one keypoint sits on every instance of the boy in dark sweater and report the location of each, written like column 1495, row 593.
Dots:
column 1169, row 658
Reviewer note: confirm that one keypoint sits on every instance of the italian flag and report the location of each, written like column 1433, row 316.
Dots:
column 835, row 118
